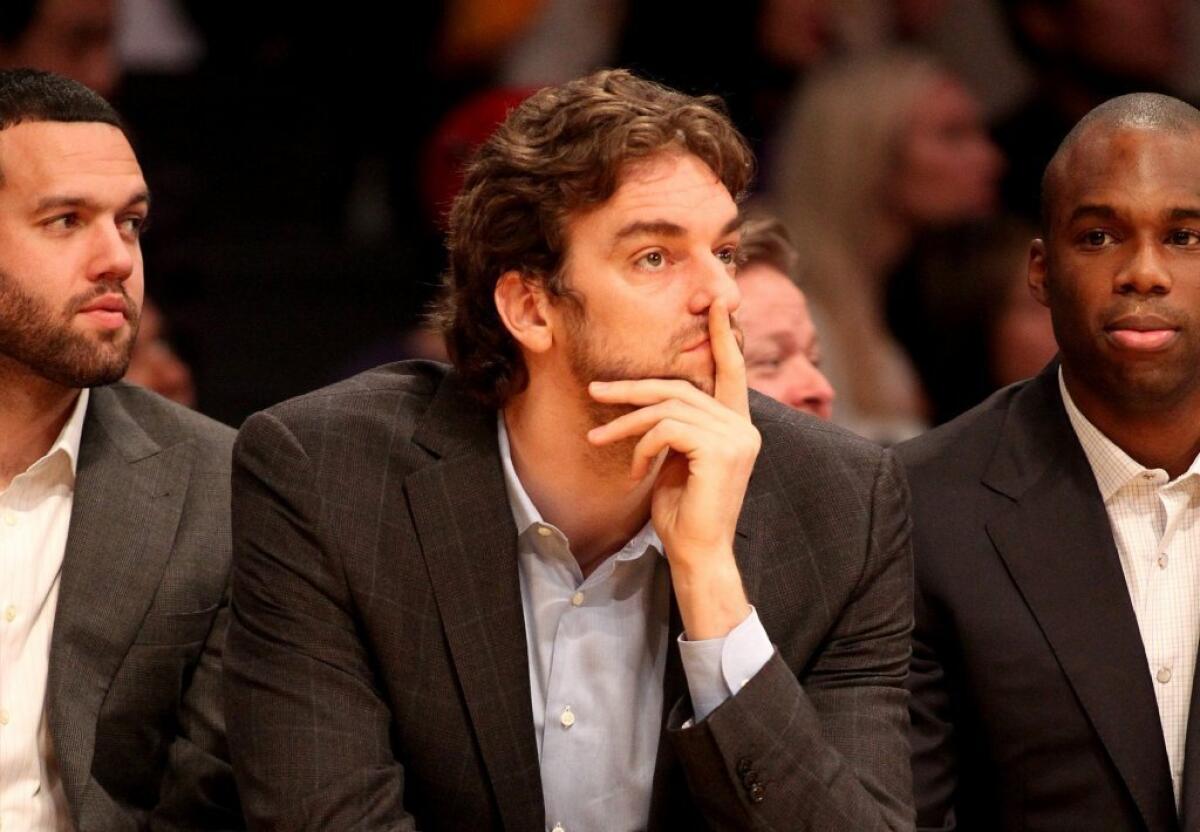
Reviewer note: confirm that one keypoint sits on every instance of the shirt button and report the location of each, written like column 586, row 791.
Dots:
column 545, row 531
column 10, row 613
column 567, row 717
column 1163, row 675
column 10, row 519
column 1162, row 561
column 577, row 599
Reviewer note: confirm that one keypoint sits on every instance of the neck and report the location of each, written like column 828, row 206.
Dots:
column 890, row 241
column 1166, row 436
column 32, row 414
column 583, row 490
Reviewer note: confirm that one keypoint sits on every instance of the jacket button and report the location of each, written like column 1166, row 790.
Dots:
column 743, row 766
column 758, row 793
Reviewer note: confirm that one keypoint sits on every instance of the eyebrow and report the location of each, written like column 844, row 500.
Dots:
column 71, row 201
column 664, row 228
column 1092, row 210
column 1178, row 214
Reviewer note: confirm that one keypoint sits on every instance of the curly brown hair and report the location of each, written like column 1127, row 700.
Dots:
column 563, row 150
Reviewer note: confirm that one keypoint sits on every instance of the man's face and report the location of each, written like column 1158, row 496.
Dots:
column 782, row 355
column 72, row 205
column 646, row 265
column 1121, row 270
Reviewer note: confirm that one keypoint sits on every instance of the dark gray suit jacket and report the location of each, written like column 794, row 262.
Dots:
column 1033, row 705
column 376, row 670
column 133, row 694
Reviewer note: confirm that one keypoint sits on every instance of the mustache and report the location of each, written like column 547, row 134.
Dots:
column 698, row 331
column 1129, row 312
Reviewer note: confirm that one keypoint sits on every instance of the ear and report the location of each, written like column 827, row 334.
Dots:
column 1036, row 273
column 521, row 304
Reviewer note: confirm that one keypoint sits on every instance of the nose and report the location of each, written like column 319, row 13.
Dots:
column 1145, row 273
column 113, row 255
column 714, row 279
column 809, row 390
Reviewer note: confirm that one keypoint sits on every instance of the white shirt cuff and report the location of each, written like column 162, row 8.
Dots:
column 717, row 668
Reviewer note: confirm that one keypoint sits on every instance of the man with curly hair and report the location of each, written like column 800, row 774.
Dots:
column 583, row 580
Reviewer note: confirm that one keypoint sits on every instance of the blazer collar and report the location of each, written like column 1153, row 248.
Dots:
column 1057, row 543
column 129, row 493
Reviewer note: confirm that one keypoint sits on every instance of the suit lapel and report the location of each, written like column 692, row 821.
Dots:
column 460, row 510
column 1191, row 764
column 1057, row 544
column 128, row 498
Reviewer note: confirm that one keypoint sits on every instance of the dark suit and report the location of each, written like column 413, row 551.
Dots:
column 133, row 693
column 1033, row 705
column 377, row 675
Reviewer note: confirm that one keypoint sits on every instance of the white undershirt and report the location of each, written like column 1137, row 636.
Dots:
column 1156, row 527
column 35, row 512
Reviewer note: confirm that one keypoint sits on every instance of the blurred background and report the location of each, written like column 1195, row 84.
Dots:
column 302, row 160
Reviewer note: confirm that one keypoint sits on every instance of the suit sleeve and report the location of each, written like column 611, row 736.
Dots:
column 933, row 742
column 198, row 790
column 308, row 728
column 831, row 753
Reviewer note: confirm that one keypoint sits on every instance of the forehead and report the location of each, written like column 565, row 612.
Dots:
column 89, row 157
column 1117, row 167
column 676, row 187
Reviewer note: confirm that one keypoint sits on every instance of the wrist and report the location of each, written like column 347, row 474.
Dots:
column 712, row 601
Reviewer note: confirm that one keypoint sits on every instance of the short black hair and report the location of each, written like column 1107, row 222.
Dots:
column 28, row 95
column 1140, row 110
column 34, row 95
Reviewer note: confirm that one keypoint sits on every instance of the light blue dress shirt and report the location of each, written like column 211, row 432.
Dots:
column 597, row 652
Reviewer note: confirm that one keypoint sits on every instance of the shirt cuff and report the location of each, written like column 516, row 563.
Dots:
column 717, row 668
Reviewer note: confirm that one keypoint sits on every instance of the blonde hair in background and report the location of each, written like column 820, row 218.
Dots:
column 834, row 161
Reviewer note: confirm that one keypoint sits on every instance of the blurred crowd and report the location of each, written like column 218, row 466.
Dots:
column 302, row 159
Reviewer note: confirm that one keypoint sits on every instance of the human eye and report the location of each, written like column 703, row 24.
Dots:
column 62, row 222
column 132, row 225
column 1095, row 238
column 1184, row 237
column 652, row 261
column 728, row 255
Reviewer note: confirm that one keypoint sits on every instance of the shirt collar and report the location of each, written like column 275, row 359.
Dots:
column 1114, row 469
column 526, row 515
column 66, row 445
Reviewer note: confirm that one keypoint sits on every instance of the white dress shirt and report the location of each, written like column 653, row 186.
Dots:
column 1156, row 526
column 35, row 512
column 597, row 651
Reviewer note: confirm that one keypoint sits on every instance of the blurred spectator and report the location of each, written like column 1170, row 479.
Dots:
column 876, row 150
column 1082, row 53
column 963, row 310
column 782, row 353
column 153, row 364
column 75, row 38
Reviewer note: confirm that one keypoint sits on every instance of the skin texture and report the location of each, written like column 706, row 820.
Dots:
column 1120, row 273
column 655, row 347
column 71, row 210
column 782, row 353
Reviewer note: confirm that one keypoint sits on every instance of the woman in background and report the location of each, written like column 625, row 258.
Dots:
column 876, row 150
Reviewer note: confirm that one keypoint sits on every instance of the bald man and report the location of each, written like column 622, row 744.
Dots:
column 1056, row 525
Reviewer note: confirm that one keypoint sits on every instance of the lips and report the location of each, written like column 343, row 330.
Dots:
column 1142, row 333
column 107, row 311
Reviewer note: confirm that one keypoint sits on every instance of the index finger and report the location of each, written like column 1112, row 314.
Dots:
column 729, row 384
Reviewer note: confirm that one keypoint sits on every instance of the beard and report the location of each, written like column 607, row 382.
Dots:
column 31, row 334
column 594, row 357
